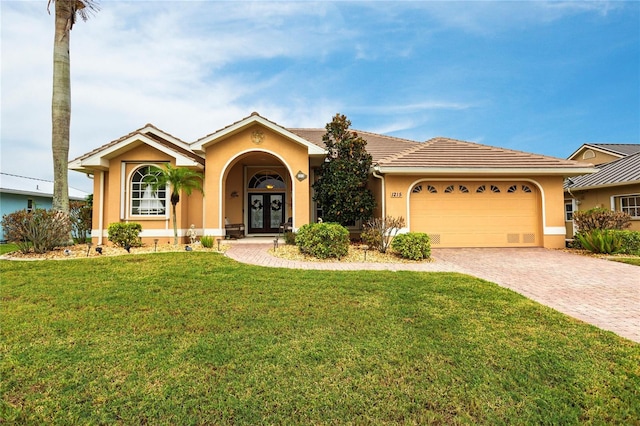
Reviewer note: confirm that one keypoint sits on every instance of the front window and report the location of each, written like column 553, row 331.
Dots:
column 145, row 201
column 631, row 205
column 568, row 211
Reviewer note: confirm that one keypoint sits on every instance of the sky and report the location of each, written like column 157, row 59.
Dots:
column 542, row 77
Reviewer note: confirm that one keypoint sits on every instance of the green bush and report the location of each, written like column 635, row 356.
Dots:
column 206, row 241
column 40, row 229
column 413, row 245
column 125, row 234
column 600, row 241
column 323, row 240
column 290, row 238
column 629, row 241
column 600, row 218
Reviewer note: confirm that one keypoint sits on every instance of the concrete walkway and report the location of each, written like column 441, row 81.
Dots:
column 597, row 291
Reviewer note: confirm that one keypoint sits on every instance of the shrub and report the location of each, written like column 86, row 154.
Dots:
column 43, row 230
column 125, row 234
column 206, row 241
column 599, row 218
column 629, row 241
column 600, row 241
column 413, row 245
column 290, row 238
column 323, row 240
column 80, row 213
column 379, row 232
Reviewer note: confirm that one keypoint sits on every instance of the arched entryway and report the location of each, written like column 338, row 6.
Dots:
column 258, row 193
column 267, row 201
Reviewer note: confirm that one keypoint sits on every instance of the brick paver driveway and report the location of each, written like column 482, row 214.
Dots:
column 597, row 291
column 600, row 292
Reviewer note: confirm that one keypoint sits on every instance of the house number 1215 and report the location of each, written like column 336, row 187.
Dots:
column 396, row 195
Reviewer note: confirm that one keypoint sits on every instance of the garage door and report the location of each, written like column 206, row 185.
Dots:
column 477, row 214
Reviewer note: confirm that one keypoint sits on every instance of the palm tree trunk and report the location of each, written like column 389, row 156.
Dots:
column 61, row 104
column 175, row 226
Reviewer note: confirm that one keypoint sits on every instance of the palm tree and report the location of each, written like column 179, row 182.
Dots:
column 178, row 179
column 66, row 14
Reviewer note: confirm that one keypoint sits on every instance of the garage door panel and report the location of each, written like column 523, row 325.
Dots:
column 509, row 218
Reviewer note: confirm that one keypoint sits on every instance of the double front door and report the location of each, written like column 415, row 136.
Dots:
column 266, row 212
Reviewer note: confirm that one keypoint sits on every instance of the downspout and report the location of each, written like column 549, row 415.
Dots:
column 375, row 173
column 101, row 207
column 574, row 208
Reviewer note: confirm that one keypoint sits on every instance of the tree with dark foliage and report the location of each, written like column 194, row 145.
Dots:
column 342, row 189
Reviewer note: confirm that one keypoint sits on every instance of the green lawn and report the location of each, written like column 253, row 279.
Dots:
column 193, row 338
column 7, row 248
column 629, row 260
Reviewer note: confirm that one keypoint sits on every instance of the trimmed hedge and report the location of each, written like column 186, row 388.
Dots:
column 323, row 240
column 412, row 245
column 125, row 234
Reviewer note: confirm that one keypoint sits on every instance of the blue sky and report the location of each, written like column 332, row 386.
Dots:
column 542, row 77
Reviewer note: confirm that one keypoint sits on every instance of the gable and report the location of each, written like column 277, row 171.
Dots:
column 600, row 153
column 200, row 145
column 149, row 136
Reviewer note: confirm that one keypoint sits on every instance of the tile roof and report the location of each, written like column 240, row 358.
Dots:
column 397, row 153
column 451, row 154
column 623, row 171
column 146, row 131
column 14, row 184
column 379, row 146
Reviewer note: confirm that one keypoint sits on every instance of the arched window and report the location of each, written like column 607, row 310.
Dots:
column 267, row 180
column 144, row 200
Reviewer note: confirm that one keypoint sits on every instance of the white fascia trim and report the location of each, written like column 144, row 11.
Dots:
column 488, row 171
column 200, row 145
column 166, row 136
column 101, row 159
column 554, row 230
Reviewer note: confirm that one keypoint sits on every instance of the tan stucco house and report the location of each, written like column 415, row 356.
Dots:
column 615, row 185
column 259, row 174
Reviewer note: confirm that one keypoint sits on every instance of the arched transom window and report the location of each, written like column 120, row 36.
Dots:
column 145, row 201
column 267, row 180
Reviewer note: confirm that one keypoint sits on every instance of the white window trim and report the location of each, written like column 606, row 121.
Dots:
column 620, row 197
column 126, row 195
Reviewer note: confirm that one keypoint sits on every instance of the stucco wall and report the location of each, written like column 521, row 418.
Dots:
column 602, row 198
column 116, row 205
column 222, row 157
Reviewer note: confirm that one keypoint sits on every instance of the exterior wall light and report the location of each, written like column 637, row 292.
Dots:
column 300, row 176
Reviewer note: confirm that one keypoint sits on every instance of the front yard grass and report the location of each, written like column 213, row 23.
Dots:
column 193, row 338
column 630, row 260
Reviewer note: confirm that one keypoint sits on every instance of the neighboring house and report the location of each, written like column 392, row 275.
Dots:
column 20, row 192
column 259, row 174
column 616, row 184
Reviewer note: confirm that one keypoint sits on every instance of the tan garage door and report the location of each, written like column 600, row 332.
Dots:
column 477, row 214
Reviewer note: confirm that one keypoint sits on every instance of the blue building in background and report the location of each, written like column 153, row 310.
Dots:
column 20, row 192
